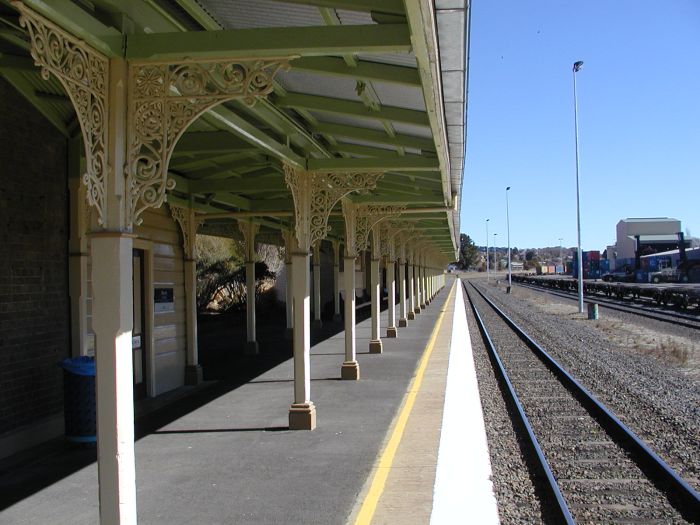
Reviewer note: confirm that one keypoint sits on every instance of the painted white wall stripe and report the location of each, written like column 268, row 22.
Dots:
column 463, row 488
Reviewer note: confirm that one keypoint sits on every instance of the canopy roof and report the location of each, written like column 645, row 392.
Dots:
column 372, row 86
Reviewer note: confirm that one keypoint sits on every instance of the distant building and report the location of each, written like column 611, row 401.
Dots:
column 643, row 236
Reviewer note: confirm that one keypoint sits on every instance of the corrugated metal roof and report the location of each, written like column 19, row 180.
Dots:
column 242, row 14
column 312, row 84
column 399, row 96
column 354, row 17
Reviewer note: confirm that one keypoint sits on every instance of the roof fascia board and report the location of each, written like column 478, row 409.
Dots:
column 421, row 21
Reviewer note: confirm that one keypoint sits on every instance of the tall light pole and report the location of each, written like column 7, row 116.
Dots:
column 488, row 276
column 579, row 255
column 508, row 228
column 495, row 264
column 561, row 259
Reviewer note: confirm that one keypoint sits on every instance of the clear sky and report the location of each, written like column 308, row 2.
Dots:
column 639, row 118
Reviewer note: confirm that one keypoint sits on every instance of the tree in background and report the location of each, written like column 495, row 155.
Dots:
column 468, row 252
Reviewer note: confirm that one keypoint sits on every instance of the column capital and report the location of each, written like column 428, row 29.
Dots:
column 315, row 193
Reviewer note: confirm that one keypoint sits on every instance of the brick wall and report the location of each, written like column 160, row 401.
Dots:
column 34, row 308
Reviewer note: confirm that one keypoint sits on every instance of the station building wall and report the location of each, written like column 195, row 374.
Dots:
column 34, row 303
column 166, row 332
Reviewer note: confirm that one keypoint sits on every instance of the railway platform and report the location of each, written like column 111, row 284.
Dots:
column 404, row 444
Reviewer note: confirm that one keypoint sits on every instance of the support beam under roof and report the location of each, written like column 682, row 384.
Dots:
column 377, row 164
column 341, row 106
column 363, row 70
column 270, row 42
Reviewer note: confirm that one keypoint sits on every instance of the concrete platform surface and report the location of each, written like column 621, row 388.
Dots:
column 231, row 458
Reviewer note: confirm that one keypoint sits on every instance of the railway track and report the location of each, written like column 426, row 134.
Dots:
column 676, row 318
column 589, row 467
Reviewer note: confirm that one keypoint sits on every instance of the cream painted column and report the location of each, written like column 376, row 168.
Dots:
column 336, row 281
column 421, row 282
column 288, row 236
column 411, row 288
column 324, row 190
column 375, row 342
column 403, row 316
column 249, row 229
column 350, row 369
column 302, row 413
column 189, row 223
column 391, row 299
column 317, row 284
column 78, row 251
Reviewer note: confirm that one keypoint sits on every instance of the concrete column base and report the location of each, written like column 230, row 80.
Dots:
column 403, row 323
column 193, row 374
column 375, row 346
column 337, row 318
column 302, row 416
column 289, row 334
column 391, row 331
column 350, row 371
column 422, row 306
column 417, row 310
column 252, row 348
column 411, row 316
column 316, row 323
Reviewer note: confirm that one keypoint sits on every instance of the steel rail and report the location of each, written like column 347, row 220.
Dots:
column 561, row 509
column 681, row 495
column 610, row 304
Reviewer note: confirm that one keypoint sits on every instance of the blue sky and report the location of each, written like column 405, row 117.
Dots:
column 639, row 118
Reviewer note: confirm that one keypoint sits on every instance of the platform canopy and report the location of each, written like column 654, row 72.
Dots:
column 371, row 85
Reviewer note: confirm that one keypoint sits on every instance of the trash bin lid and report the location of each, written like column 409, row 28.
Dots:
column 82, row 366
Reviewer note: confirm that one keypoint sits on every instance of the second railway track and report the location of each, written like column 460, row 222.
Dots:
column 602, row 474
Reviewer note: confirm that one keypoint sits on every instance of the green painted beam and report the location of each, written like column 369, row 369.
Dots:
column 376, row 164
column 211, row 142
column 249, row 184
column 77, row 21
column 372, row 135
column 367, row 151
column 227, row 119
column 364, row 70
column 341, row 106
column 394, row 7
column 270, row 42
column 393, row 199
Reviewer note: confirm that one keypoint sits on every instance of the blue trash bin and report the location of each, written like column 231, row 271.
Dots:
column 79, row 408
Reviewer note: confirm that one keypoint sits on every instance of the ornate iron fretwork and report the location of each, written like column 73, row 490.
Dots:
column 164, row 99
column 189, row 223
column 84, row 74
column 316, row 193
column 361, row 220
column 249, row 230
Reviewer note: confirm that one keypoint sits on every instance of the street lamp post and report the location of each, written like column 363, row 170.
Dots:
column 495, row 264
column 508, row 228
column 579, row 255
column 488, row 276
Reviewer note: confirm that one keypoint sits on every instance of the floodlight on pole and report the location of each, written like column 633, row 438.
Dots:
column 488, row 276
column 576, row 69
column 495, row 264
column 508, row 228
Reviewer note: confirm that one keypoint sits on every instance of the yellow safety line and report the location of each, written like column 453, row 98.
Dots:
column 369, row 505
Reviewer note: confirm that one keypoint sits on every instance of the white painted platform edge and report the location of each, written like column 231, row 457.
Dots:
column 463, row 488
